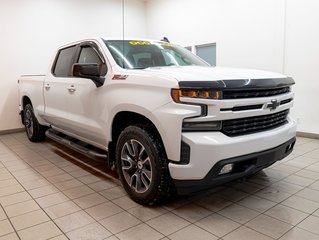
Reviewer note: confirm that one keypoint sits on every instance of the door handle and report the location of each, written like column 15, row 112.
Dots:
column 47, row 86
column 71, row 88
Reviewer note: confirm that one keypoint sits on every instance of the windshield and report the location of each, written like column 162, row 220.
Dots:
column 133, row 54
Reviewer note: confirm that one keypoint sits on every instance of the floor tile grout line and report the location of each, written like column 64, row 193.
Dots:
column 76, row 204
column 303, row 187
column 9, row 221
column 263, row 213
column 134, row 217
column 40, row 208
column 57, row 204
column 268, row 235
column 8, row 234
column 306, row 229
column 299, row 209
column 233, row 202
column 302, row 168
column 277, row 203
column 306, row 152
column 301, row 144
column 308, row 215
column 240, row 224
column 94, row 169
column 37, row 204
column 243, row 225
column 190, row 223
column 77, row 228
column 122, row 230
column 145, row 222
column 281, row 202
column 61, row 181
column 97, row 192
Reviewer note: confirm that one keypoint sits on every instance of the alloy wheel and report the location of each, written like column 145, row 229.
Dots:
column 29, row 122
column 136, row 166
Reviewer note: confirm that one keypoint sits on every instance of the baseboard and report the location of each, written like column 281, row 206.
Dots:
column 15, row 130
column 308, row 135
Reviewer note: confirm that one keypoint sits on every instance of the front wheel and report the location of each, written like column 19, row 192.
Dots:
column 142, row 166
column 35, row 131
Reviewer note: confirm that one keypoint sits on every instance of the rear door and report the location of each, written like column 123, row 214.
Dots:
column 56, row 87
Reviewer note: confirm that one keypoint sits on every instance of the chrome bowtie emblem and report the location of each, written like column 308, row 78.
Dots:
column 273, row 105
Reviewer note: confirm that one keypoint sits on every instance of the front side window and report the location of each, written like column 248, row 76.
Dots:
column 144, row 54
column 63, row 63
column 89, row 55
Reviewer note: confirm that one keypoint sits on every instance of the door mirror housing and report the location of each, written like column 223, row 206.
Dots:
column 93, row 71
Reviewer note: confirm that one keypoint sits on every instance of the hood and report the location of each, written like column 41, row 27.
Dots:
column 198, row 73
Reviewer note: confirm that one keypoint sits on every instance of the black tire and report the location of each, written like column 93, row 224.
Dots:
column 142, row 166
column 35, row 132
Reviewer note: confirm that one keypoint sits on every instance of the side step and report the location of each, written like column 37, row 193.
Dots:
column 76, row 144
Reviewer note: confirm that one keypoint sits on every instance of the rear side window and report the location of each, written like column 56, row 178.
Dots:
column 89, row 55
column 63, row 62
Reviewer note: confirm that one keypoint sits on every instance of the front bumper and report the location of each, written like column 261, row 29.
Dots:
column 243, row 166
column 210, row 151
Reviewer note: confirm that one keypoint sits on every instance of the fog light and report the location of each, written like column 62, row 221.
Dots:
column 227, row 169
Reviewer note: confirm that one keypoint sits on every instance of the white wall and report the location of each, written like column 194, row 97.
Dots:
column 31, row 30
column 302, row 60
column 248, row 33
column 275, row 35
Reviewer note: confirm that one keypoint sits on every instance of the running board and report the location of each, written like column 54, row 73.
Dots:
column 76, row 144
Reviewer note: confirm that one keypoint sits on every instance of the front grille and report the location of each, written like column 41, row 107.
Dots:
column 254, row 93
column 241, row 126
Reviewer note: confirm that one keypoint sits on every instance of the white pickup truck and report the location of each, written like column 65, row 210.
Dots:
column 162, row 116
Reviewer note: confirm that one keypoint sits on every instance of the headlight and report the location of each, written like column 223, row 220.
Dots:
column 202, row 126
column 195, row 93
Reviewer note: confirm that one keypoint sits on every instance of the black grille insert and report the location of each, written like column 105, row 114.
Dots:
column 241, row 126
column 254, row 93
column 242, row 108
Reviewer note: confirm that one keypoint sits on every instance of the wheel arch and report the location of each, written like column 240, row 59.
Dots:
column 124, row 119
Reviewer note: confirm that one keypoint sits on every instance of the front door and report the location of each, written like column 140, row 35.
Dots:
column 84, row 100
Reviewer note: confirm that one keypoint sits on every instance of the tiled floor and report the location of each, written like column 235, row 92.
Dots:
column 47, row 193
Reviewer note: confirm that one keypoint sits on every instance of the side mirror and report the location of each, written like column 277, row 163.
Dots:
column 92, row 71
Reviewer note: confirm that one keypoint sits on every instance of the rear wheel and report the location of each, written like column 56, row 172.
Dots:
column 35, row 131
column 142, row 166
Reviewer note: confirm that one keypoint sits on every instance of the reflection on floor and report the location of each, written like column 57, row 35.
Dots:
column 49, row 192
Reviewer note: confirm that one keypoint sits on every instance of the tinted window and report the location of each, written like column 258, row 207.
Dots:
column 64, row 61
column 89, row 55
